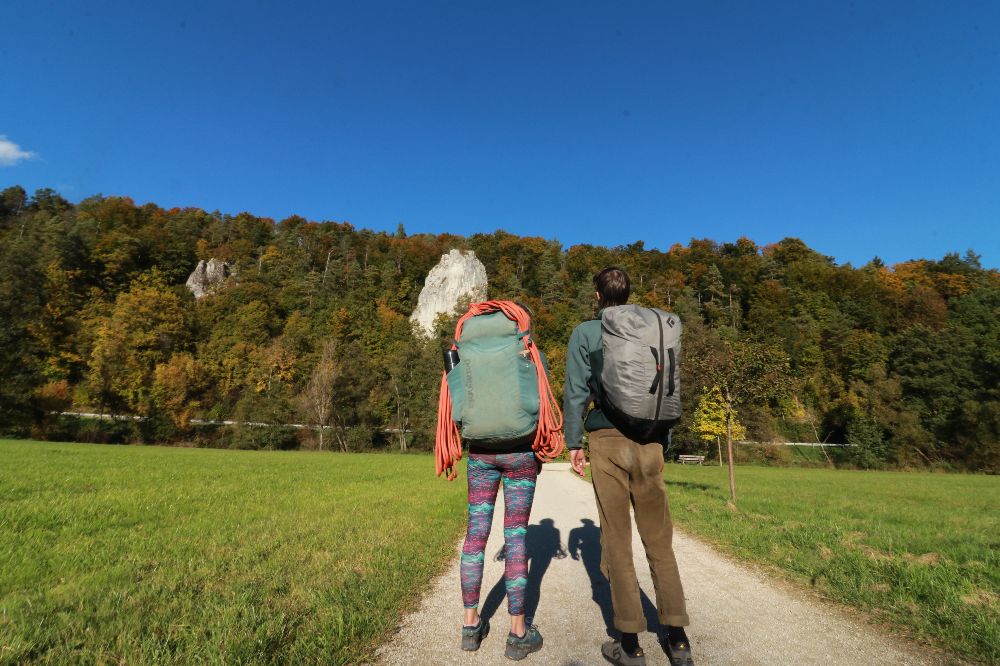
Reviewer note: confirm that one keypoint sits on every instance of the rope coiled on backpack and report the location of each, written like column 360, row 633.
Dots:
column 548, row 442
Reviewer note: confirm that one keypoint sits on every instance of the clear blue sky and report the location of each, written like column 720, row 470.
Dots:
column 863, row 127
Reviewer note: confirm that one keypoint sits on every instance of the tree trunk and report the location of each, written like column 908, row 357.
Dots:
column 825, row 454
column 326, row 269
column 923, row 455
column 321, row 438
column 399, row 418
column 729, row 446
column 718, row 445
column 822, row 448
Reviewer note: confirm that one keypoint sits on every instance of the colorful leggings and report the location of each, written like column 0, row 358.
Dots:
column 518, row 471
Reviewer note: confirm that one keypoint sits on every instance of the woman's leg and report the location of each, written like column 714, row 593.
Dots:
column 520, row 471
column 484, row 480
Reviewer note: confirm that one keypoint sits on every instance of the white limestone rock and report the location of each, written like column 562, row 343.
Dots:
column 458, row 275
column 207, row 277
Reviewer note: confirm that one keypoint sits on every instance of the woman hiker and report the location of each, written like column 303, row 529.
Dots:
column 496, row 388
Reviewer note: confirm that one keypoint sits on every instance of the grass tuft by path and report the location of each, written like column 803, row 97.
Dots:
column 153, row 555
column 918, row 550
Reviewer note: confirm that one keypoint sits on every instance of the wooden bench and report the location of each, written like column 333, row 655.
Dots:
column 684, row 460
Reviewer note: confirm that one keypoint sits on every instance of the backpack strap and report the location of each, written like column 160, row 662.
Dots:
column 659, row 371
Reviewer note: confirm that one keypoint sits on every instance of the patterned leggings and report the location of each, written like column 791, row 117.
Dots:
column 518, row 471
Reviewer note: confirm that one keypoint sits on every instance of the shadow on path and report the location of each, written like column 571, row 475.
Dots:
column 543, row 544
column 585, row 544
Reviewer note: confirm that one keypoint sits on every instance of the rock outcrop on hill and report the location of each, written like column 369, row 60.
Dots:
column 207, row 277
column 459, row 275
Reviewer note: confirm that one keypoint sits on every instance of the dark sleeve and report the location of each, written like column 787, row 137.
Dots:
column 576, row 394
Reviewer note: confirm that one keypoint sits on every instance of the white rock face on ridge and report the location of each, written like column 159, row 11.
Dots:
column 458, row 275
column 207, row 277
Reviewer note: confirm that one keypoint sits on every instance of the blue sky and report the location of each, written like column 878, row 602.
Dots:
column 864, row 128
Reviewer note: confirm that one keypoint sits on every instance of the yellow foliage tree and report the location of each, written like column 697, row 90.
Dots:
column 179, row 387
column 145, row 326
column 710, row 419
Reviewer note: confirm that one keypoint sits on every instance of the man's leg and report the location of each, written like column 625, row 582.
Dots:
column 609, row 464
column 652, row 518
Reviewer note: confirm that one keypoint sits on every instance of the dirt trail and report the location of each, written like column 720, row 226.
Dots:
column 738, row 616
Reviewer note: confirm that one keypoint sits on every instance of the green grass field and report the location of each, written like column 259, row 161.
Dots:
column 132, row 554
column 918, row 551
column 147, row 554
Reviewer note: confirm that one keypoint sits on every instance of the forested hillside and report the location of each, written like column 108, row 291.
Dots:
column 901, row 362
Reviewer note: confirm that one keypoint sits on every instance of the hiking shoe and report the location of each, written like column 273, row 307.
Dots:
column 519, row 647
column 616, row 654
column 679, row 653
column 472, row 637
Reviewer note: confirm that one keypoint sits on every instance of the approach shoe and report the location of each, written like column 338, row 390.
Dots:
column 616, row 654
column 519, row 647
column 679, row 653
column 472, row 637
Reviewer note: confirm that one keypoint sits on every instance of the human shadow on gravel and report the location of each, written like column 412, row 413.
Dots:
column 543, row 544
column 585, row 544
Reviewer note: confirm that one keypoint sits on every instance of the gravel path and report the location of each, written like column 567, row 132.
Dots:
column 738, row 615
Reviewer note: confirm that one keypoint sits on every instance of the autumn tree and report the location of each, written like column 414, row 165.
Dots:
column 745, row 372
column 180, row 388
column 317, row 398
column 145, row 327
column 710, row 419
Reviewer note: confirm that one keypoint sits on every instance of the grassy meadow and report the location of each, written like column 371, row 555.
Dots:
column 164, row 555
column 919, row 551
column 130, row 554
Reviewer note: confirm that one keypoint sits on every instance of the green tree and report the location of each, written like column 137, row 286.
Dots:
column 865, row 441
column 21, row 299
column 12, row 201
column 746, row 373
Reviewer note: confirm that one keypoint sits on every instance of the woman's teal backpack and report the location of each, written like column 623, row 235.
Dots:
column 494, row 385
column 497, row 394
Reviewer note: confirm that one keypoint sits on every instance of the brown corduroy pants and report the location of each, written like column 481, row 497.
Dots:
column 625, row 473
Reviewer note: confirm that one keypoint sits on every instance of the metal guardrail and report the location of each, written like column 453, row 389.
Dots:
column 814, row 444
column 253, row 424
column 298, row 426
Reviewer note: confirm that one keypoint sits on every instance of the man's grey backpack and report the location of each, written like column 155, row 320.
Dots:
column 639, row 374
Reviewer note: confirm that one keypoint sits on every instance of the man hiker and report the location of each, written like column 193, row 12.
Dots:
column 624, row 471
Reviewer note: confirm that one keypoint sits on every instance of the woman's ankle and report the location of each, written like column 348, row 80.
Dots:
column 517, row 625
column 471, row 617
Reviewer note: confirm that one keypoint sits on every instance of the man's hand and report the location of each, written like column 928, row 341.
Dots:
column 578, row 459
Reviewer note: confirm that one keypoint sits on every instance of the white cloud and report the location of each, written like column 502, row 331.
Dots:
column 11, row 153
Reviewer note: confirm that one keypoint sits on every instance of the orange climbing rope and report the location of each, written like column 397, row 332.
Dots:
column 548, row 441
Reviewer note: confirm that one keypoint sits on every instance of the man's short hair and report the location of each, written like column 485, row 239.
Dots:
column 613, row 285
